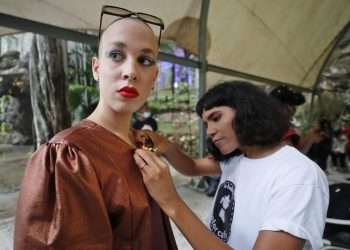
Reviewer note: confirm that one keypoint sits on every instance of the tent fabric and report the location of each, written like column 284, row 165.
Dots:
column 287, row 40
column 6, row 31
column 281, row 40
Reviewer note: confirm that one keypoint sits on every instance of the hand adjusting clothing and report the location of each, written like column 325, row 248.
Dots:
column 156, row 176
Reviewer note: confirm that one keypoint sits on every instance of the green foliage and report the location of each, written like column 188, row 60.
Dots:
column 79, row 67
column 307, row 117
column 80, row 98
column 5, row 128
column 168, row 46
column 328, row 105
column 9, row 59
column 82, row 91
column 174, row 110
column 4, row 102
column 182, row 99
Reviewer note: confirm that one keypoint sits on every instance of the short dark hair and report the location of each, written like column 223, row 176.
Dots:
column 259, row 120
column 288, row 96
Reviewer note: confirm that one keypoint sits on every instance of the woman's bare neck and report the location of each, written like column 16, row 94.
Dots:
column 117, row 123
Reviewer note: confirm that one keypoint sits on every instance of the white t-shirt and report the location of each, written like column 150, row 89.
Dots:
column 284, row 191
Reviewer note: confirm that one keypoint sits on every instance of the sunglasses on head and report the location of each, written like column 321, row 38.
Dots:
column 121, row 12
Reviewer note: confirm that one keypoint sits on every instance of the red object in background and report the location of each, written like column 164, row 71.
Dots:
column 346, row 131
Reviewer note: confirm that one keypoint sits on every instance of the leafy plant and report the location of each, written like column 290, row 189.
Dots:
column 4, row 102
column 78, row 104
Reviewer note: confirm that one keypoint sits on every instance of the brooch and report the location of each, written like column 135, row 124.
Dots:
column 145, row 142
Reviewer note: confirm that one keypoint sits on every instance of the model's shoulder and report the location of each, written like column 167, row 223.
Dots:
column 74, row 134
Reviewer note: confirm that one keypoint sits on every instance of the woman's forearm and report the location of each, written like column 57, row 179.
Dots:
column 193, row 228
column 188, row 166
column 183, row 163
column 156, row 176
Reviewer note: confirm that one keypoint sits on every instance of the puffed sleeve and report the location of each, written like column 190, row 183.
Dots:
column 60, row 204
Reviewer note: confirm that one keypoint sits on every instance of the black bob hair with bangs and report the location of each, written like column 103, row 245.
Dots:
column 259, row 120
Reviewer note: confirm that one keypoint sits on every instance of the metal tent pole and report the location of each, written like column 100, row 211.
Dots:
column 202, row 52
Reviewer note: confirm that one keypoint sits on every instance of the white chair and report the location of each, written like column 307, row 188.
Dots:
column 337, row 231
column 332, row 242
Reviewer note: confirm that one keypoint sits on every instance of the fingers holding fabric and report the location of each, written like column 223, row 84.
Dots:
column 156, row 176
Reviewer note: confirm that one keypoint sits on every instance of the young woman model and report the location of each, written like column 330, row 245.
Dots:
column 270, row 197
column 82, row 189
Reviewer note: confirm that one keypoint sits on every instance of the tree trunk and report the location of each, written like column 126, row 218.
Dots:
column 48, row 88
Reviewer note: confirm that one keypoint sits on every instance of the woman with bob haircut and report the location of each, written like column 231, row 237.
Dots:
column 270, row 195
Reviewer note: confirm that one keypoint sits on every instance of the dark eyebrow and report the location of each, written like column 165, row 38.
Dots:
column 213, row 114
column 210, row 117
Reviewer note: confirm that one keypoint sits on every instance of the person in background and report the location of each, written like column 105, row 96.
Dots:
column 290, row 99
column 346, row 131
column 270, row 196
column 339, row 151
column 318, row 143
column 82, row 189
column 145, row 120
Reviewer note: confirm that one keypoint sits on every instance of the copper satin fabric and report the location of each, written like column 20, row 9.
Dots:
column 82, row 190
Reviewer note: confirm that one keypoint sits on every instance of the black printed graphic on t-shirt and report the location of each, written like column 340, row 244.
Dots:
column 223, row 211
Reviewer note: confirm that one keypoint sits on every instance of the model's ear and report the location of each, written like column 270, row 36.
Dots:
column 95, row 68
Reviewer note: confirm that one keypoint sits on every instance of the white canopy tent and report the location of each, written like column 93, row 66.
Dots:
column 280, row 41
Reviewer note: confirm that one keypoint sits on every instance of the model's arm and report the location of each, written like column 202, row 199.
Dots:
column 158, row 181
column 183, row 163
column 60, row 206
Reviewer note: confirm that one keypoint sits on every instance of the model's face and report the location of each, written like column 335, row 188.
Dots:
column 219, row 128
column 126, row 68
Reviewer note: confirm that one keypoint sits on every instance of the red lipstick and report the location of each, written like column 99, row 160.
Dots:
column 128, row 92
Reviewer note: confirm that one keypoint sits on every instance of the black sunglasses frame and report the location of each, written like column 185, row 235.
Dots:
column 130, row 13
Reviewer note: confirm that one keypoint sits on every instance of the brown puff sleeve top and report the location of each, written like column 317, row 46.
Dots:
column 82, row 190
